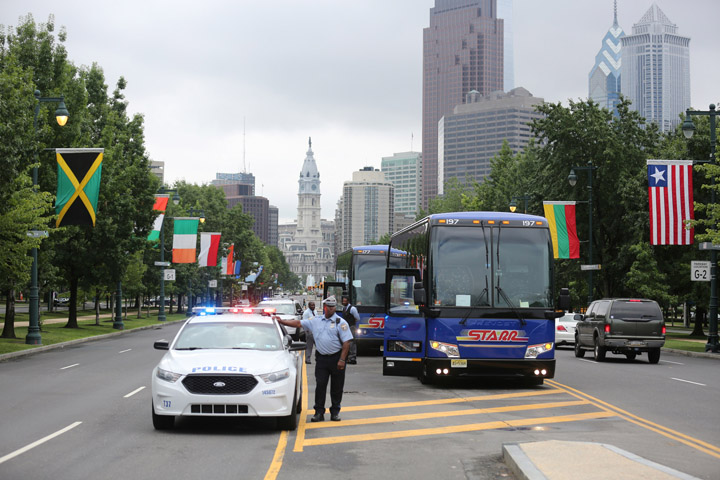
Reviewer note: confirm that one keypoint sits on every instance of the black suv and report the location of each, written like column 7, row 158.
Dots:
column 625, row 326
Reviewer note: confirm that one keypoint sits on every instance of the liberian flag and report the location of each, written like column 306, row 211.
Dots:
column 561, row 220
column 670, row 192
column 228, row 262
column 185, row 239
column 161, row 202
column 209, row 243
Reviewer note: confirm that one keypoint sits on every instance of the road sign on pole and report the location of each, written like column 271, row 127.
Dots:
column 590, row 267
column 700, row 271
column 169, row 274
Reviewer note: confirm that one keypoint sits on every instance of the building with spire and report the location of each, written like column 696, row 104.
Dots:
column 656, row 69
column 604, row 77
column 308, row 243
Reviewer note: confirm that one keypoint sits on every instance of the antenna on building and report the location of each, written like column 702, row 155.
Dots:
column 412, row 137
column 244, row 166
column 615, row 23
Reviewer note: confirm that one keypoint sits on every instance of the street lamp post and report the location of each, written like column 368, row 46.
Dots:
column 572, row 180
column 161, row 309
column 61, row 116
column 688, row 128
column 513, row 204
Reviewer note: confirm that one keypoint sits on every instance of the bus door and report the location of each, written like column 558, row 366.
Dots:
column 405, row 335
column 338, row 289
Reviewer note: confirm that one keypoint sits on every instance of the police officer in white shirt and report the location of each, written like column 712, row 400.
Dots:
column 307, row 315
column 332, row 337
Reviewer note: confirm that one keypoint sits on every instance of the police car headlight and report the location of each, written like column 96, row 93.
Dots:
column 534, row 350
column 447, row 348
column 276, row 376
column 167, row 375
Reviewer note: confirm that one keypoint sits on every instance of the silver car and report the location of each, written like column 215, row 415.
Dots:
column 565, row 329
column 286, row 309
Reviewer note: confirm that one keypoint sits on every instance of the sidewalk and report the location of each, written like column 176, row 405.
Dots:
column 561, row 460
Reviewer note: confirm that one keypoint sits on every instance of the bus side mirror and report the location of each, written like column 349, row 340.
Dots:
column 564, row 299
column 418, row 294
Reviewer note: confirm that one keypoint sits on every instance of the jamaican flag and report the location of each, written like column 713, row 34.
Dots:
column 78, row 185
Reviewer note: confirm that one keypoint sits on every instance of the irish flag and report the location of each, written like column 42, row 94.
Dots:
column 561, row 220
column 161, row 202
column 209, row 243
column 227, row 262
column 185, row 239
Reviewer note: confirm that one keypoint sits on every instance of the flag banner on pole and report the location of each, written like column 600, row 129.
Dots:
column 209, row 244
column 223, row 266
column 238, row 263
column 185, row 239
column 229, row 262
column 161, row 202
column 79, row 171
column 670, row 194
column 563, row 230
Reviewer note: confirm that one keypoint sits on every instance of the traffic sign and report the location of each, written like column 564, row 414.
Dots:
column 212, row 283
column 162, row 264
column 709, row 246
column 169, row 274
column 590, row 267
column 37, row 233
column 700, row 271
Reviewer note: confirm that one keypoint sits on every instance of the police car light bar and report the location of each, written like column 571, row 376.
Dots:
column 221, row 310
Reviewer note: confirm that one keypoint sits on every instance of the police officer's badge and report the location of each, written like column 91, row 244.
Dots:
column 344, row 326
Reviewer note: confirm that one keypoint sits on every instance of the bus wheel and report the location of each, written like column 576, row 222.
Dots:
column 423, row 376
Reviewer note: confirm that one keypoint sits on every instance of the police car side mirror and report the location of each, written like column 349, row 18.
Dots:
column 297, row 346
column 161, row 345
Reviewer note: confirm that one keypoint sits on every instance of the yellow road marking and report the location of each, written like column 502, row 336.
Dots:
column 456, row 429
column 445, row 401
column 300, row 434
column 276, row 463
column 666, row 432
column 445, row 414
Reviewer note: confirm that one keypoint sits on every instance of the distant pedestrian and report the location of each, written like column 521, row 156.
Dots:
column 332, row 342
column 307, row 315
column 351, row 315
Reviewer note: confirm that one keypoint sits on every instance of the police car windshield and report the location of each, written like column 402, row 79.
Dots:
column 219, row 335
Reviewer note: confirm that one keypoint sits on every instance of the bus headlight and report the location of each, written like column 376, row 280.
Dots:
column 447, row 348
column 534, row 350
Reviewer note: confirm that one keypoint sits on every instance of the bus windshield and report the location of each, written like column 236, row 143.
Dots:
column 491, row 266
column 368, row 279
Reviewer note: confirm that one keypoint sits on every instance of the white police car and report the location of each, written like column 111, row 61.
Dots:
column 286, row 309
column 228, row 362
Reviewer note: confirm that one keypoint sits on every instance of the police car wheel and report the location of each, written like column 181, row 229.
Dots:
column 162, row 422
column 289, row 422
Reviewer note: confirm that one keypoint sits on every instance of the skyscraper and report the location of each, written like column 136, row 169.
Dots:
column 604, row 77
column 404, row 170
column 474, row 133
column 505, row 11
column 368, row 208
column 656, row 69
column 462, row 51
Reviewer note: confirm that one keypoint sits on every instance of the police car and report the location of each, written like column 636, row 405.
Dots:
column 228, row 362
column 286, row 309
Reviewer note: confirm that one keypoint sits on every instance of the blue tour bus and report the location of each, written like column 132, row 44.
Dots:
column 475, row 298
column 361, row 272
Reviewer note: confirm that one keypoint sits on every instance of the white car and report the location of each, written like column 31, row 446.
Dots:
column 565, row 329
column 225, row 363
column 286, row 309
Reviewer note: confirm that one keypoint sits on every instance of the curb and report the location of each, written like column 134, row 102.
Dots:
column 686, row 353
column 32, row 351
column 523, row 467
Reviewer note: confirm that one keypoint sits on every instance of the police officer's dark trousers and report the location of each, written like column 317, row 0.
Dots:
column 326, row 370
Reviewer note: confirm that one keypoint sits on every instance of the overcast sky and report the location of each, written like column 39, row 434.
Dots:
column 346, row 73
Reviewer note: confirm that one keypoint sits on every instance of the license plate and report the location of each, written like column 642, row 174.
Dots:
column 458, row 363
column 382, row 348
column 636, row 344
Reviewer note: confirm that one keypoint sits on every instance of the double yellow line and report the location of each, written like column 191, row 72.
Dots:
column 695, row 443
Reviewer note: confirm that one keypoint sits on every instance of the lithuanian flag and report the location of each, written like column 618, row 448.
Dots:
column 561, row 220
column 185, row 239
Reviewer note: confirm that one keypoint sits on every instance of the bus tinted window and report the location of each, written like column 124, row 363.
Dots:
column 368, row 284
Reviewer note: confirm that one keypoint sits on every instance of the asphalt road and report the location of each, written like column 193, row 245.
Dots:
column 84, row 412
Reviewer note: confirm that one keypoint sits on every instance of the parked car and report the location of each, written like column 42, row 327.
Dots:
column 625, row 326
column 565, row 329
column 224, row 363
column 61, row 301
